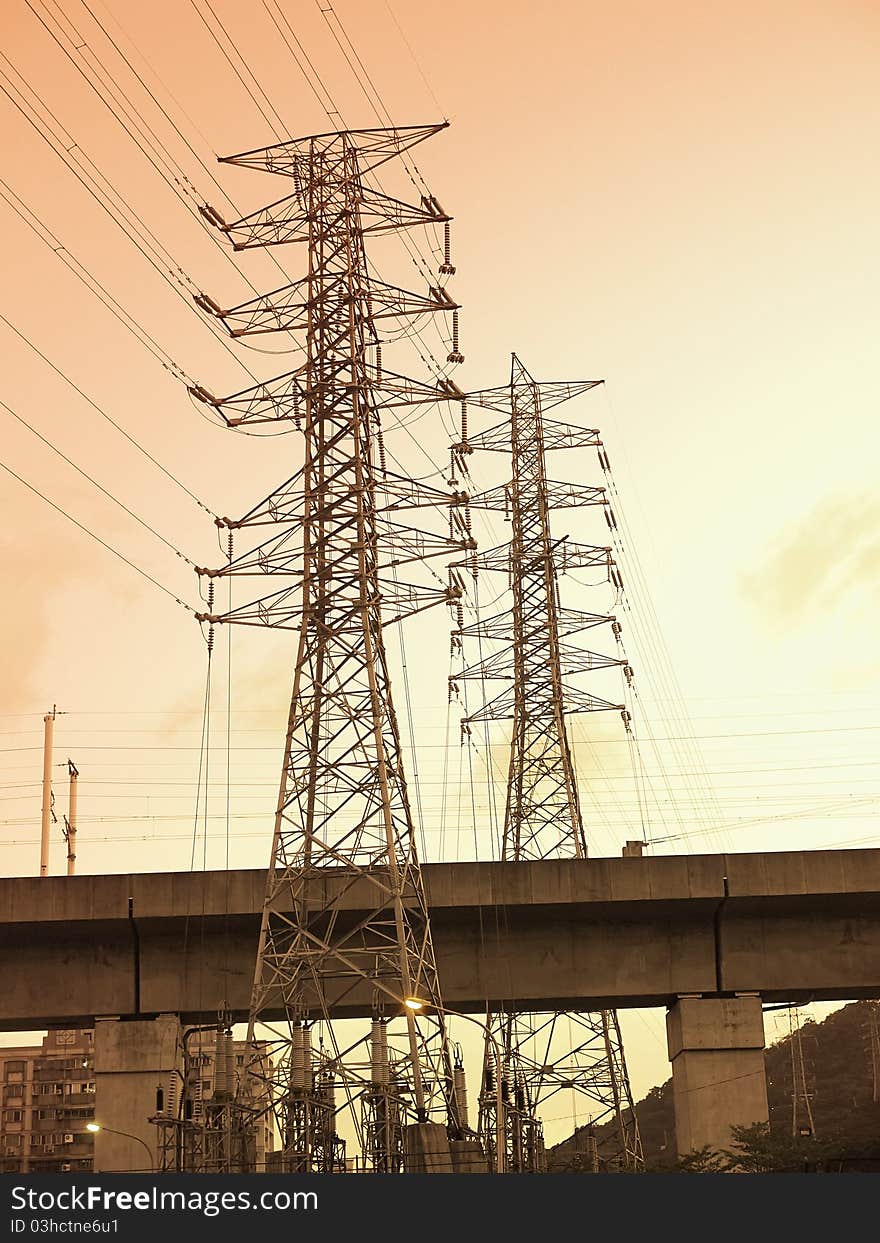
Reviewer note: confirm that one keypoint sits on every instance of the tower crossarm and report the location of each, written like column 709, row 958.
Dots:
column 286, row 220
column 549, row 393
column 570, row 621
column 557, row 494
column 557, row 435
column 500, row 665
column 283, row 399
column 288, row 309
column 566, row 553
column 369, row 148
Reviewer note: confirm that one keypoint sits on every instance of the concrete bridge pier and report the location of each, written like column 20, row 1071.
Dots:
column 716, row 1047
column 132, row 1059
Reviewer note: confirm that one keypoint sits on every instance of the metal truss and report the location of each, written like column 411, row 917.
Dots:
column 545, row 1055
column 335, row 544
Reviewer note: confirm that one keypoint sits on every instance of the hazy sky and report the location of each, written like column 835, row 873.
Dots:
column 679, row 198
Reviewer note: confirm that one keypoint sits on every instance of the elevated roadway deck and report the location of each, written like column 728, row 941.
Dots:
column 587, row 934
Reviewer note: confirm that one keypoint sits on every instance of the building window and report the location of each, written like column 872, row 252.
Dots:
column 12, row 1115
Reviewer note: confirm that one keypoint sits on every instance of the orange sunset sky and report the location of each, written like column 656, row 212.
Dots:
column 680, row 199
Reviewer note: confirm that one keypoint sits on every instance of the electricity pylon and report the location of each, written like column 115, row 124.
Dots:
column 544, row 1054
column 345, row 928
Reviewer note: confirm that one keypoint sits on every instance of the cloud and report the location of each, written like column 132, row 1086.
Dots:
column 833, row 552
column 27, row 624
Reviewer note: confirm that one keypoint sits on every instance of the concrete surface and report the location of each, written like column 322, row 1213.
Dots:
column 716, row 1047
column 583, row 934
column 131, row 1061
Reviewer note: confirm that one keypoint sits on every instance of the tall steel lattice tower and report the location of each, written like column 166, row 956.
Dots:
column 345, row 929
column 544, row 1055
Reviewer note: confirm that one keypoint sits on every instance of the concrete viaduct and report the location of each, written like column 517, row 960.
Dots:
column 710, row 937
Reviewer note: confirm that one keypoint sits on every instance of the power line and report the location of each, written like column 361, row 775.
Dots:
column 228, row 59
column 104, row 415
column 161, row 160
column 98, row 540
column 99, row 486
column 127, row 220
column 29, row 217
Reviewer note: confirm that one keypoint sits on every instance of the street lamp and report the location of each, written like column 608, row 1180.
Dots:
column 416, row 1003
column 95, row 1127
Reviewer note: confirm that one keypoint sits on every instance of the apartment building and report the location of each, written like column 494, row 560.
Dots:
column 48, row 1095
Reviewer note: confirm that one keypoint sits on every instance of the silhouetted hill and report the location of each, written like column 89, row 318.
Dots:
column 837, row 1059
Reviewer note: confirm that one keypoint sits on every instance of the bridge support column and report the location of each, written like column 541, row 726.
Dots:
column 716, row 1047
column 132, row 1059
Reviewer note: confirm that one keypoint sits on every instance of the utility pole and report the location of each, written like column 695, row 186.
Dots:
column 551, row 1053
column 70, row 818
column 801, row 1096
column 335, row 546
column 874, row 1038
column 48, row 733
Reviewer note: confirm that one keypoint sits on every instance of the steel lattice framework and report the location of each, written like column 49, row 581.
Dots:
column 334, row 552
column 544, row 1055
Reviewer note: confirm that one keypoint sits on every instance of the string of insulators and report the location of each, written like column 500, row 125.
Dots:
column 297, row 183
column 229, row 546
column 455, row 593
column 616, row 629
column 210, row 610
column 455, row 355
column 379, row 1053
column 627, row 720
column 465, row 447
column 461, row 519
column 196, row 1094
column 170, row 1098
column 307, row 1057
column 327, row 1094
column 297, row 416
column 616, row 578
column 609, row 518
column 468, row 526
column 459, row 1087
column 221, row 1079
column 378, row 361
column 446, row 267
column 380, row 441
column 213, row 216
column 603, row 460
column 628, row 674
column 300, row 1059
column 229, row 1054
